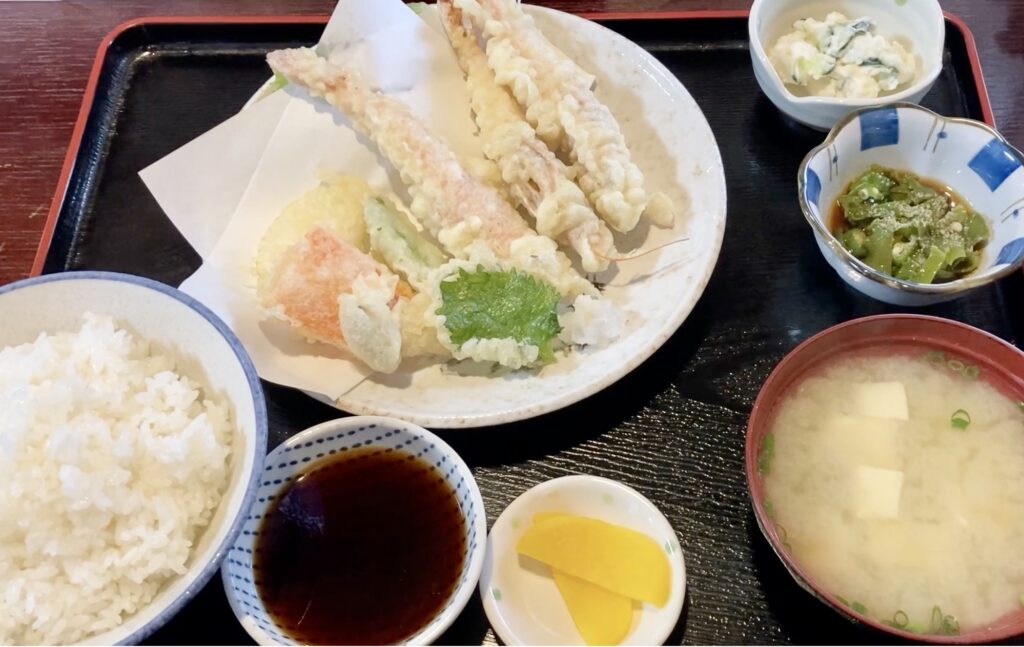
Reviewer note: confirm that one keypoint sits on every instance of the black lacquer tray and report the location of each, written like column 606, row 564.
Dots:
column 674, row 428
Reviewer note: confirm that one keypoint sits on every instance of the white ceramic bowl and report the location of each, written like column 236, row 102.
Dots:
column 972, row 158
column 207, row 351
column 917, row 24
column 292, row 458
column 524, row 605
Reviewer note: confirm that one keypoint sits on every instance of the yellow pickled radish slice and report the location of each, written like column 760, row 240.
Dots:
column 544, row 516
column 602, row 617
column 621, row 560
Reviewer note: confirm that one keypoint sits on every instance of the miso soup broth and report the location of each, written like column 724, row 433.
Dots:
column 897, row 483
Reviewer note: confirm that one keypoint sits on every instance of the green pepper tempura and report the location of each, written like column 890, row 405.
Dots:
column 899, row 225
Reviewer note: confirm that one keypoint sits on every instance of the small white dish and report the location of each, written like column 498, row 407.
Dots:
column 918, row 24
column 296, row 456
column 207, row 351
column 965, row 155
column 524, row 605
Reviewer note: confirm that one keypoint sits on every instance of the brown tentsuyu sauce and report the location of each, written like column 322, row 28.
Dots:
column 365, row 548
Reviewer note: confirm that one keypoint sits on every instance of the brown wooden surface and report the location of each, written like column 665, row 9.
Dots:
column 47, row 50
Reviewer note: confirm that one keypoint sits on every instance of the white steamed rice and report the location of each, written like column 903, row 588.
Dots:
column 112, row 465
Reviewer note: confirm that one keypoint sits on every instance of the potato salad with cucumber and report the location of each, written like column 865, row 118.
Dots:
column 840, row 57
column 898, row 224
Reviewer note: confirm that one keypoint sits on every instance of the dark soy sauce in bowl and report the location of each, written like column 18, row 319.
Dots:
column 363, row 549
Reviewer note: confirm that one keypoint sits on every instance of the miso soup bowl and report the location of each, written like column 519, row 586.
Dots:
column 957, row 347
column 968, row 156
column 916, row 24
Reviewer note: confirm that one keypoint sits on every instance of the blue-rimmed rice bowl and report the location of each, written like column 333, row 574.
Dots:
column 300, row 453
column 206, row 350
column 968, row 156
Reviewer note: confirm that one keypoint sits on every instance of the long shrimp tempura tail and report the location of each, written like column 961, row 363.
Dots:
column 552, row 89
column 537, row 179
column 513, row 69
column 460, row 211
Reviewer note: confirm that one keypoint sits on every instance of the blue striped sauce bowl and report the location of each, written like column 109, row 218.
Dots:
column 305, row 452
column 967, row 156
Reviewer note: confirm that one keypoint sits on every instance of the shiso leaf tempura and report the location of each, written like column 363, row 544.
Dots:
column 509, row 310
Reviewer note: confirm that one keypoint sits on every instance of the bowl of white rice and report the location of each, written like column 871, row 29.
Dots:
column 132, row 433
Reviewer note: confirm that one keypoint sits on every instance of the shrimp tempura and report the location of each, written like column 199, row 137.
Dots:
column 537, row 179
column 560, row 103
column 459, row 210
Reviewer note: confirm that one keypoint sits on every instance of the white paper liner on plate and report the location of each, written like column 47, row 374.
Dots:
column 308, row 138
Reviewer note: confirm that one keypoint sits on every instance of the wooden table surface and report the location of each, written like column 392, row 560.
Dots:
column 47, row 49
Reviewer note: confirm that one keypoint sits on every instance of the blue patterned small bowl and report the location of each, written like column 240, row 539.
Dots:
column 966, row 155
column 296, row 456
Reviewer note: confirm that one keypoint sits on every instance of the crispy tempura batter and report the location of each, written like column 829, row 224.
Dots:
column 307, row 282
column 513, row 69
column 458, row 209
column 537, row 179
column 562, row 107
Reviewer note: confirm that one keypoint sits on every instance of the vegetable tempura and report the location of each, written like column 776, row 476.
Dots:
column 459, row 210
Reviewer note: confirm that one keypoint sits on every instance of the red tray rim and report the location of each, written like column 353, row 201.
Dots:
column 89, row 94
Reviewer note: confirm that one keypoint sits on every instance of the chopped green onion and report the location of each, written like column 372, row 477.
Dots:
column 900, row 619
column 950, row 625
column 1021, row 599
column 769, row 509
column 971, row 371
column 935, row 357
column 764, row 457
column 781, row 532
column 944, row 624
column 843, row 600
column 960, row 419
column 858, row 607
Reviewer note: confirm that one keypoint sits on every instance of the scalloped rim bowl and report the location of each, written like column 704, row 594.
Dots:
column 967, row 155
column 999, row 362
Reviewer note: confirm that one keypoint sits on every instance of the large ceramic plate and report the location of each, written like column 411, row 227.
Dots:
column 672, row 143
